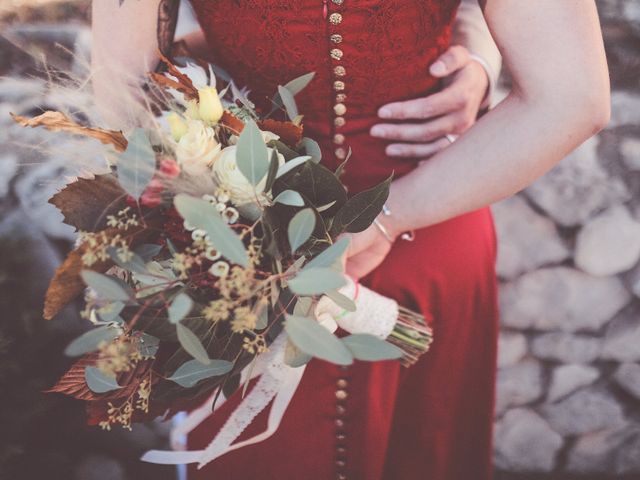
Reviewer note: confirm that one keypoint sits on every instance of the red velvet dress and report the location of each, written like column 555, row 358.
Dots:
column 370, row 421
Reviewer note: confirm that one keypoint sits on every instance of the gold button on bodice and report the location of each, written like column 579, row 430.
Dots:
column 338, row 2
column 340, row 98
column 340, row 71
column 335, row 18
column 342, row 383
column 341, row 394
column 338, row 86
column 336, row 53
column 341, row 154
column 339, row 122
column 336, row 38
column 340, row 108
column 338, row 139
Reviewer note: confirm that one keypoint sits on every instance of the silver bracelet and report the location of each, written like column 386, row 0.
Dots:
column 383, row 230
column 409, row 236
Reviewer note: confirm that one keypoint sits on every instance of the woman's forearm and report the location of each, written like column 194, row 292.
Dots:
column 503, row 153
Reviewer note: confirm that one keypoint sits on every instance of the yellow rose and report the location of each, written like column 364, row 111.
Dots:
column 177, row 125
column 210, row 108
column 230, row 178
column 197, row 148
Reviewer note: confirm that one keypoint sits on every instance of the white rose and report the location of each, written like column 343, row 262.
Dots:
column 230, row 178
column 267, row 136
column 197, row 148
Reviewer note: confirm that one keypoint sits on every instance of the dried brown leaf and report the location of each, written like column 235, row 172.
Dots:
column 289, row 133
column 59, row 122
column 87, row 202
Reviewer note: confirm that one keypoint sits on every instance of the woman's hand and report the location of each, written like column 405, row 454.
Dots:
column 451, row 111
column 366, row 251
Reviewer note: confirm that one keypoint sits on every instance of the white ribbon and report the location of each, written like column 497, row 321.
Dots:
column 375, row 314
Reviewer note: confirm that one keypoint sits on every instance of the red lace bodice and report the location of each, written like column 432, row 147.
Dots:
column 365, row 53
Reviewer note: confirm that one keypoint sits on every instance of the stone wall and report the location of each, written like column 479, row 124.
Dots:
column 569, row 378
column 569, row 252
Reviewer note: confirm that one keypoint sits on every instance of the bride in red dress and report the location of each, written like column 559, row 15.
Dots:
column 378, row 421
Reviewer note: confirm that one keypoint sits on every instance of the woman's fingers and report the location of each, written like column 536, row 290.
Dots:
column 416, row 150
column 450, row 61
column 448, row 100
column 421, row 132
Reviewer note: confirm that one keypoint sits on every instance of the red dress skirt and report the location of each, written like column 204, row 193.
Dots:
column 370, row 421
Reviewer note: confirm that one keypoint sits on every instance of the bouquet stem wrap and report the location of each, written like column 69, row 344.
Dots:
column 375, row 315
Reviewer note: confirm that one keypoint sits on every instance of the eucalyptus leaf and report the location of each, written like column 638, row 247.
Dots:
column 294, row 357
column 316, row 281
column 341, row 300
column 359, row 212
column 98, row 382
column 371, row 348
column 313, row 339
column 300, row 228
column 147, row 251
column 180, row 307
column 263, row 319
column 274, row 163
column 201, row 214
column 289, row 197
column 107, row 287
column 111, row 311
column 137, row 164
column 89, row 340
column 298, row 84
column 191, row 343
column 328, row 257
column 191, row 372
column 252, row 154
column 135, row 264
column 312, row 148
column 291, row 164
column 302, row 308
column 289, row 102
column 148, row 345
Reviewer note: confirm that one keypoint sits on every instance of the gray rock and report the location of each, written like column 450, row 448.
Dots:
column 566, row 348
column 567, row 379
column 34, row 190
column 628, row 377
column 527, row 240
column 524, row 442
column 583, row 412
column 595, row 452
column 518, row 385
column 625, row 108
column 631, row 12
column 99, row 467
column 8, row 170
column 577, row 188
column 512, row 347
column 628, row 456
column 561, row 298
column 630, row 151
column 609, row 243
column 633, row 280
column 622, row 339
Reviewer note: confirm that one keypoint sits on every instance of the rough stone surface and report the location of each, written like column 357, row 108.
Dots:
column 99, row 467
column 519, row 385
column 8, row 169
column 577, row 188
column 566, row 348
column 622, row 339
column 628, row 377
column 512, row 347
column 609, row 243
column 595, row 452
column 524, row 442
column 628, row 457
column 561, row 298
column 583, row 412
column 527, row 240
column 567, row 379
column 630, row 151
column 625, row 109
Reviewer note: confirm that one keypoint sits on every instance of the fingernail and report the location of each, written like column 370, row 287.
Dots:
column 385, row 113
column 438, row 68
column 378, row 131
column 394, row 150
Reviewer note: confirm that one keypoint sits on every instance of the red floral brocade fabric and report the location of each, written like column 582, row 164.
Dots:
column 370, row 421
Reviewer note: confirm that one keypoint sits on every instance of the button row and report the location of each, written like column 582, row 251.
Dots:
column 339, row 71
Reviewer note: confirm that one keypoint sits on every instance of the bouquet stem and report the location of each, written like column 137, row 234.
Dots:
column 412, row 335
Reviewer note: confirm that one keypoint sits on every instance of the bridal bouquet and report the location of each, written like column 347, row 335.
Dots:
column 211, row 249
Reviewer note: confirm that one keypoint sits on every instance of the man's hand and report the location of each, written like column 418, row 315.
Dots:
column 450, row 111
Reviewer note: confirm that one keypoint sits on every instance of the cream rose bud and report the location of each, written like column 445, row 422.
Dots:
column 231, row 179
column 197, row 148
column 177, row 125
column 210, row 108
